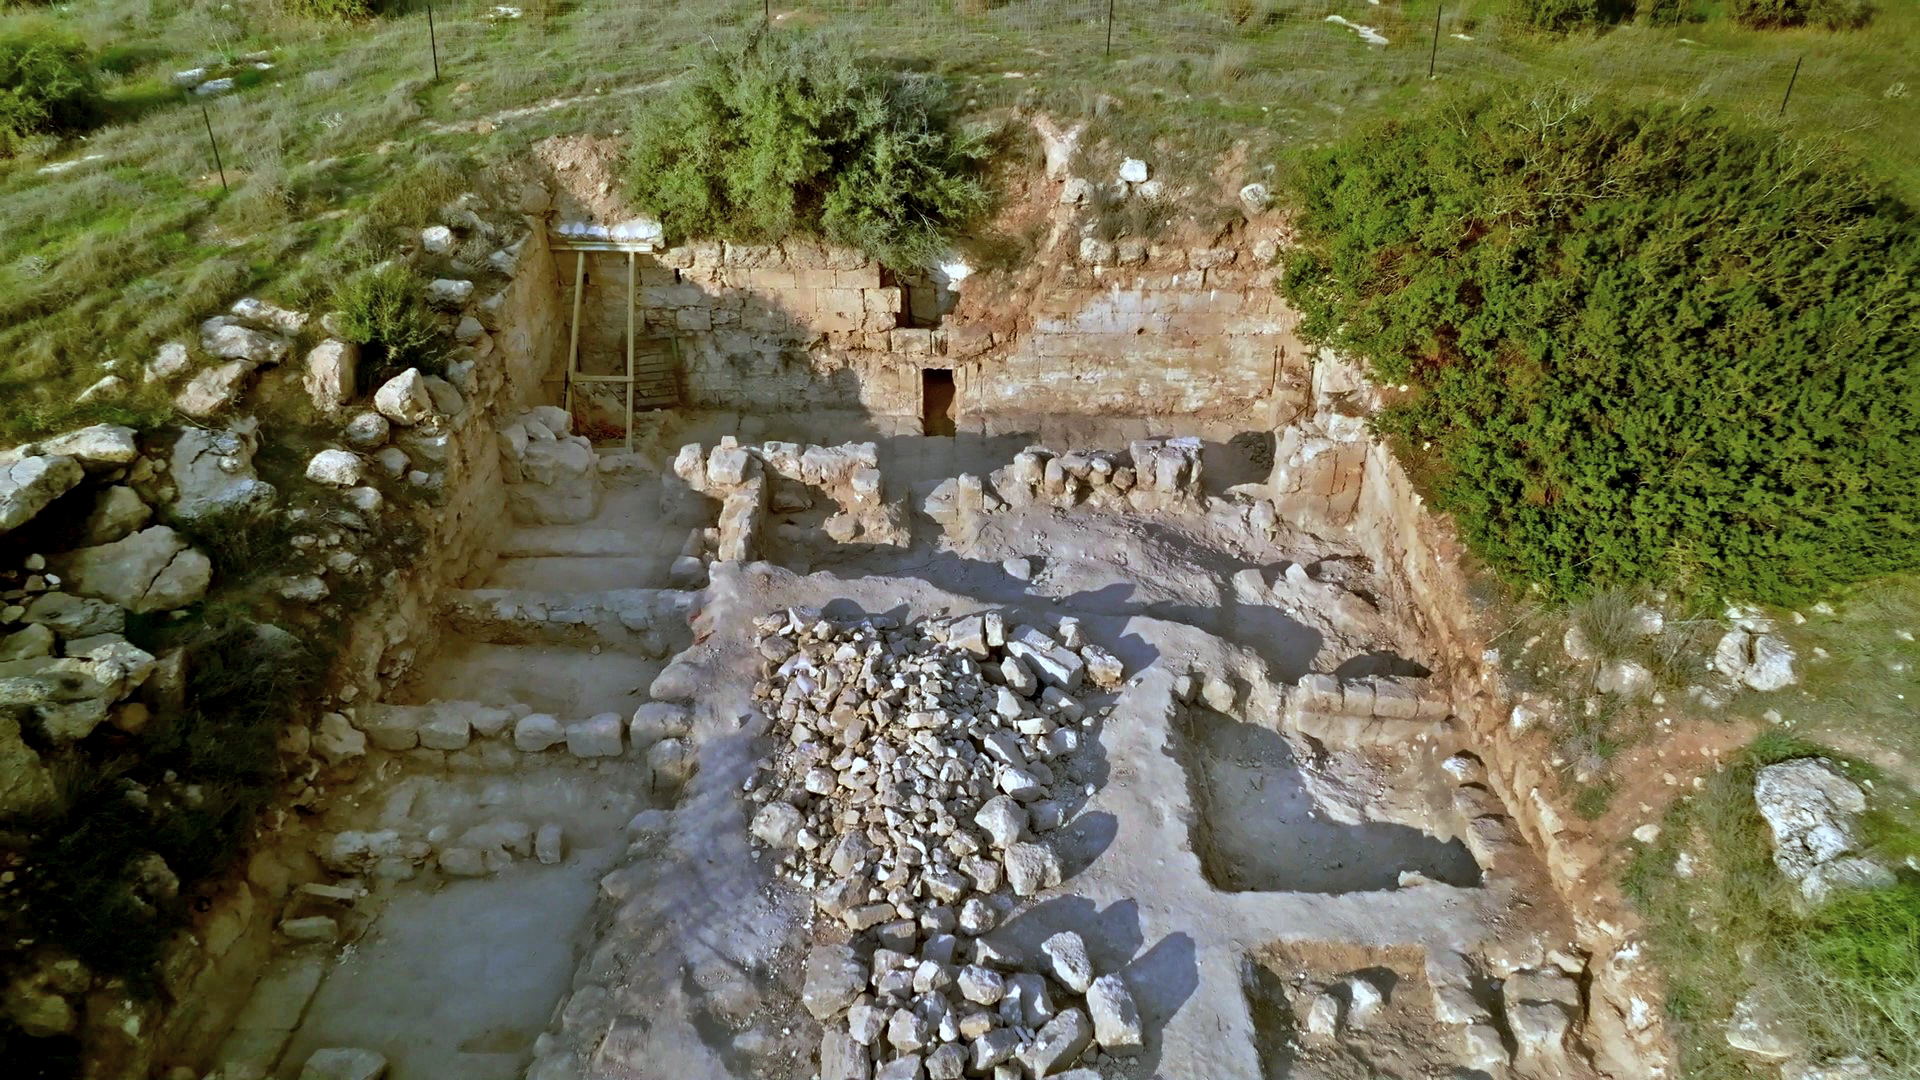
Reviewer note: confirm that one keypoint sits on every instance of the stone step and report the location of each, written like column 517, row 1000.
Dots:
column 561, row 572
column 455, row 726
column 652, row 622
column 547, row 541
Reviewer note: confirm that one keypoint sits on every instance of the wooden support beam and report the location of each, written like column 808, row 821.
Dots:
column 631, row 274
column 573, row 344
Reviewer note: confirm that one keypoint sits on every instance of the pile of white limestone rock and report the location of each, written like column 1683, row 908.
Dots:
column 912, row 787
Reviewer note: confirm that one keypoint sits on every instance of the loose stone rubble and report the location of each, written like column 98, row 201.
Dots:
column 917, row 774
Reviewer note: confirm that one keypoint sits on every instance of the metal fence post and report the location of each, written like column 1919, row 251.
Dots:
column 1109, row 51
column 433, row 42
column 1435, row 53
column 215, row 143
column 1791, row 79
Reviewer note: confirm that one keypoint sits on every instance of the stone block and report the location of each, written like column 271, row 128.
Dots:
column 599, row 736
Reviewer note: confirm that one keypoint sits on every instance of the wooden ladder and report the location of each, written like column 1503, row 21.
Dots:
column 652, row 375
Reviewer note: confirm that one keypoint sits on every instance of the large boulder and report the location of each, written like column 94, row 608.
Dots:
column 152, row 570
column 28, row 484
column 213, row 472
column 404, row 399
column 1810, row 809
column 331, row 367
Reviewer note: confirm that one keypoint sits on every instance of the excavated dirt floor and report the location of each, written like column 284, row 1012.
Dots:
column 1232, row 870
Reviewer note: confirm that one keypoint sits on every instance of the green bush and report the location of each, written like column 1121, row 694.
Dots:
column 1769, row 14
column 1557, row 15
column 337, row 10
column 786, row 135
column 1640, row 344
column 48, row 84
column 384, row 311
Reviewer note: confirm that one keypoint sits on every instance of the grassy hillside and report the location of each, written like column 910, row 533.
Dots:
column 135, row 238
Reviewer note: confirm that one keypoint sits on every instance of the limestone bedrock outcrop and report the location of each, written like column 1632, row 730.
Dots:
column 213, row 472
column 152, row 570
column 1811, row 810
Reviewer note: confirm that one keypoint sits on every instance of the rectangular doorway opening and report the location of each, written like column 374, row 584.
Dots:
column 936, row 401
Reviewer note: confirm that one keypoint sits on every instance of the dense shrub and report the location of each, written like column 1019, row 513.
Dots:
column 385, row 312
column 47, row 84
column 340, row 10
column 1832, row 14
column 1640, row 344
column 1559, row 15
column 786, row 135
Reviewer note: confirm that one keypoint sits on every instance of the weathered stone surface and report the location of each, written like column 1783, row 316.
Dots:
column 549, row 844
column 778, row 825
column 117, row 513
column 449, row 292
column 72, row 616
column 841, row 1058
column 331, row 368
column 1069, row 960
column 834, row 977
column 214, row 389
column 1059, row 1044
column 29, row 484
column 537, row 732
column 338, row 468
column 152, row 570
column 213, row 472
column 225, row 338
column 404, row 399
column 1761, row 661
column 101, row 444
column 1810, row 810
column 311, row 928
column 1757, row 1029
column 598, row 736
column 1032, row 867
column 337, row 741
column 342, row 1063
column 1116, row 1022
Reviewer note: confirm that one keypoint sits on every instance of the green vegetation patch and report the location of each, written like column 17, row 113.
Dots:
column 1640, row 343
column 1844, row 978
column 384, row 312
column 48, row 84
column 783, row 135
column 1832, row 14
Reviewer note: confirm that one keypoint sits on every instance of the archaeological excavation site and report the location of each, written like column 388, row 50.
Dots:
column 809, row 670
column 760, row 572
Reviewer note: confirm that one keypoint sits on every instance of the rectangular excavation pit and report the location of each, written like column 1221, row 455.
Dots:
column 1257, row 828
column 1316, row 1016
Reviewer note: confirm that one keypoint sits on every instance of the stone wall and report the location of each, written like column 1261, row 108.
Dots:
column 1328, row 469
column 212, row 967
column 1129, row 330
